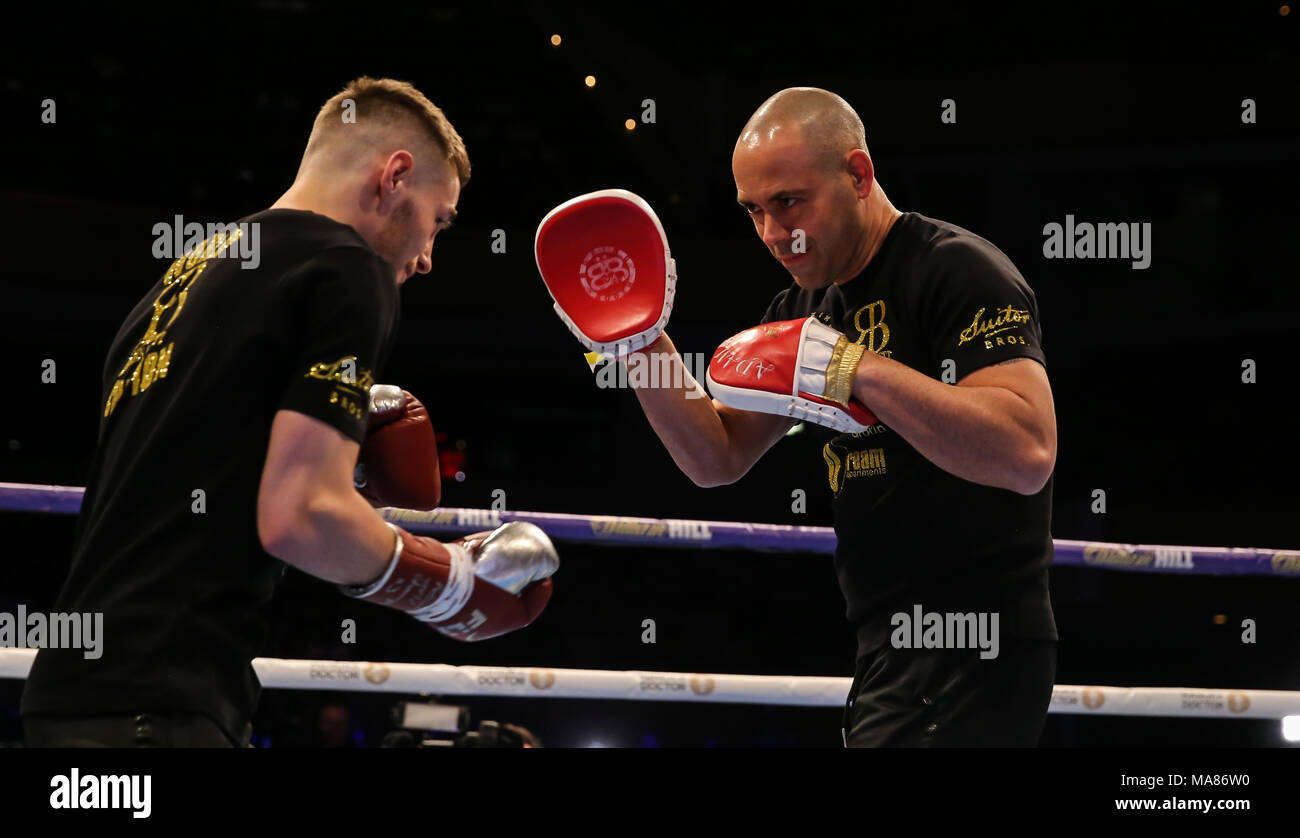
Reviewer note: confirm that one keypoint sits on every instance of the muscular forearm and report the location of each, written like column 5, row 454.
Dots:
column 686, row 421
column 340, row 539
column 983, row 434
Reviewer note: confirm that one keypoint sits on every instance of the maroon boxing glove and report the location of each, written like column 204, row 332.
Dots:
column 398, row 464
column 482, row 588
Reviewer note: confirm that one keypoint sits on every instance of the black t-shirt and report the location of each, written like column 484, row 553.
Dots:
column 936, row 298
column 166, row 545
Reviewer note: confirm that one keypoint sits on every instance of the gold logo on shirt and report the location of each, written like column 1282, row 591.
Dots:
column 1008, row 318
column 834, row 468
column 867, row 462
column 874, row 327
column 150, row 361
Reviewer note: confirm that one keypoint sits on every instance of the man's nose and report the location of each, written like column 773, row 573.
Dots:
column 773, row 233
column 424, row 262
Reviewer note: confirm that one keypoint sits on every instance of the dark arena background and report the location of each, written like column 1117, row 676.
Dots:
column 1174, row 384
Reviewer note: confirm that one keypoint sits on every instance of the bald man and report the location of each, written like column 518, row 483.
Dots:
column 942, row 508
column 235, row 404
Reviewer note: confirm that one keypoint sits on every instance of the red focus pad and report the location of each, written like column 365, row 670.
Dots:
column 605, row 261
column 766, row 370
column 763, row 358
column 400, row 460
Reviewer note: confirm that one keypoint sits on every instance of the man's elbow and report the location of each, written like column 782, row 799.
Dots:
column 1035, row 472
column 278, row 536
column 711, row 478
column 282, row 528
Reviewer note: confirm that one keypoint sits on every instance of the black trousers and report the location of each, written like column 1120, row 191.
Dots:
column 130, row 730
column 935, row 698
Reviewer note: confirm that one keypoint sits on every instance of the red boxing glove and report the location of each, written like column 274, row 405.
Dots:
column 484, row 588
column 604, row 258
column 798, row 368
column 398, row 464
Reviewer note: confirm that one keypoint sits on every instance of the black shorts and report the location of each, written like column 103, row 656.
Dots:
column 130, row 730
column 935, row 698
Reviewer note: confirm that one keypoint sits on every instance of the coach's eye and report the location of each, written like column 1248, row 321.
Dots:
column 791, row 200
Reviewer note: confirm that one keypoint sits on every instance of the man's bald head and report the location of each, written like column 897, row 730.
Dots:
column 804, row 176
column 825, row 124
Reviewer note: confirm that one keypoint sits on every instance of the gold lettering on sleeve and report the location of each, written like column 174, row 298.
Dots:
column 1007, row 318
column 353, row 396
column 334, row 371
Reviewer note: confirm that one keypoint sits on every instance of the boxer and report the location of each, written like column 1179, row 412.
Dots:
column 913, row 348
column 242, row 429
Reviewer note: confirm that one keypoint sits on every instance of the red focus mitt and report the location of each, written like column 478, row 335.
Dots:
column 798, row 368
column 398, row 464
column 604, row 258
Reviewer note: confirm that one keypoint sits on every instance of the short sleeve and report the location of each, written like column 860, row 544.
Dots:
column 346, row 303
column 977, row 308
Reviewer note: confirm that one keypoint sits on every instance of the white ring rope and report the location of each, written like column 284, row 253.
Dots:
column 790, row 690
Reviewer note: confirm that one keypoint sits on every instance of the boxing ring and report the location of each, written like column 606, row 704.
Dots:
column 795, row 690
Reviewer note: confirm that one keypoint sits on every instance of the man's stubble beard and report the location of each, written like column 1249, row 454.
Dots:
column 393, row 236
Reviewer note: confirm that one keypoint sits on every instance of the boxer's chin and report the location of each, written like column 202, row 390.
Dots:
column 804, row 272
column 808, row 280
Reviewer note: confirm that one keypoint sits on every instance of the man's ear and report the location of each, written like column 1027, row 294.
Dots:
column 397, row 170
column 862, row 171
